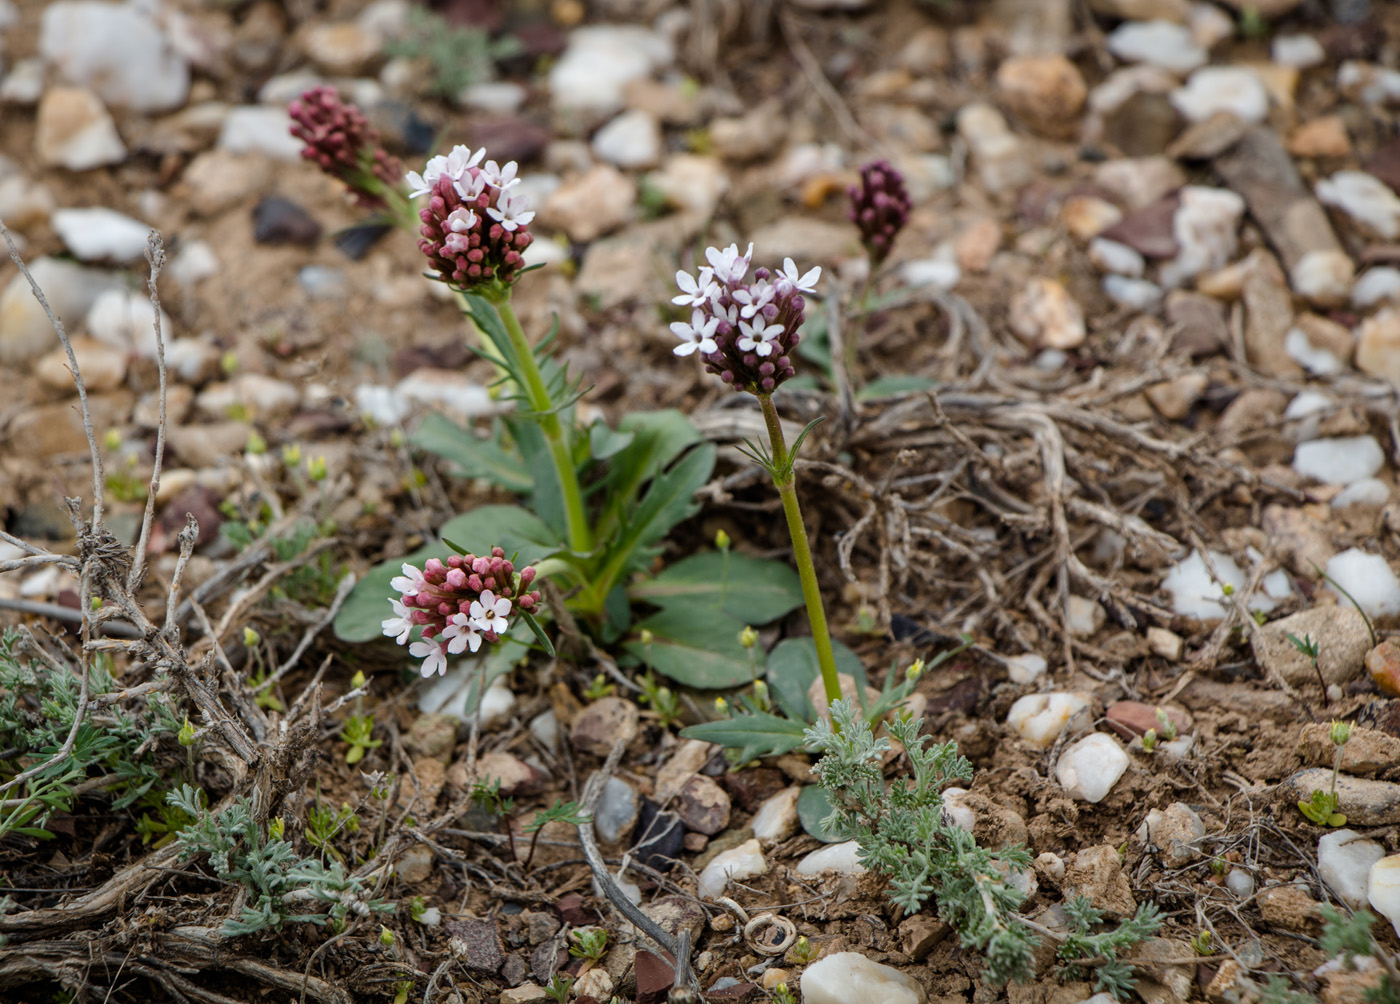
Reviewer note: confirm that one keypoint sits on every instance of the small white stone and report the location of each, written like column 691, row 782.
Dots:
column 1134, row 294
column 497, row 703
column 843, row 858
column 1210, row 25
column 1344, row 862
column 689, row 182
column 1240, row 882
column 1365, row 198
column 631, row 141
column 446, row 389
column 616, row 812
column 431, row 917
column 1027, row 668
column 125, row 319
column 1302, row 351
column 1367, row 491
column 956, row 811
column 588, row 78
column 191, row 360
column 1213, row 89
column 1323, row 278
column 1166, row 643
column 1090, row 768
column 119, row 50
column 24, row 84
column 1368, row 579
column 1116, row 258
column 97, row 233
column 1339, row 461
column 1044, row 314
column 545, row 728
column 776, row 819
column 847, row 977
column 1371, row 84
column 1040, row 718
column 1384, row 892
column 1084, row 616
column 1375, row 286
column 1301, row 52
column 933, row 272
column 259, row 129
column 739, row 863
column 195, row 262
column 256, row 394
column 1206, row 227
column 1159, row 43
column 1052, row 864
column 499, row 97
column 1196, row 594
column 25, row 330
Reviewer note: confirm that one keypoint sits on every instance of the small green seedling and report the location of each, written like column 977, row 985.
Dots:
column 802, row 951
column 599, row 689
column 782, row 995
column 558, row 988
column 559, row 812
column 1322, row 807
column 1149, row 740
column 1168, row 727
column 590, row 943
column 1201, row 942
column 1309, row 648
column 358, row 733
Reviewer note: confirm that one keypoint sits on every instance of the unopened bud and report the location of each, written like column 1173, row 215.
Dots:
column 358, row 680
column 915, row 671
column 186, row 734
column 257, row 446
column 748, row 637
column 276, row 827
column 112, row 440
column 316, row 468
column 721, row 705
column 722, row 540
column 646, row 636
column 250, row 637
column 228, row 362
column 386, row 937
column 1339, row 733
column 291, row 454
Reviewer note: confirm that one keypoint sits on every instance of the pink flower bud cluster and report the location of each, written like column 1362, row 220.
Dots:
column 879, row 207
column 341, row 141
column 744, row 331
column 474, row 226
column 459, row 603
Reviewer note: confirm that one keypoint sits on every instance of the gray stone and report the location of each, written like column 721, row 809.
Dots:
column 617, row 811
column 1364, row 802
column 119, row 50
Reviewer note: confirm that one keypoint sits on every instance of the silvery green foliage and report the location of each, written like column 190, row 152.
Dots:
column 275, row 876
column 903, row 835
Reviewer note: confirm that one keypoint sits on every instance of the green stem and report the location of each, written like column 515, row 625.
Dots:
column 580, row 537
column 786, row 483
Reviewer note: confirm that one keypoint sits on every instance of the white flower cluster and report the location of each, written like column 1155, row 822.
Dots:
column 470, row 178
column 705, row 291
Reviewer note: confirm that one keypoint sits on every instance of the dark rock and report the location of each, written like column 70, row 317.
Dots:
column 41, row 521
column 751, row 788
column 572, row 911
column 450, row 356
column 703, row 806
column 539, row 926
column 281, row 221
column 514, row 970
column 1201, row 320
column 546, row 959
column 1385, row 164
column 355, row 242
column 1142, row 126
column 200, row 502
column 509, row 137
column 1148, row 231
column 662, row 836
column 961, row 696
column 727, row 988
column 477, row 944
column 655, row 976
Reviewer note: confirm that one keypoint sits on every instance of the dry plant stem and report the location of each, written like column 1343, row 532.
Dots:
column 801, row 552
column 155, row 258
column 97, row 476
column 580, row 537
column 592, row 792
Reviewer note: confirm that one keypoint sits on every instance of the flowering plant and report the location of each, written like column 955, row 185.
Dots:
column 599, row 500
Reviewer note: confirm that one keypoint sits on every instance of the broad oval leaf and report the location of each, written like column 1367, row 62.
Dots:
column 812, row 808
column 697, row 648
column 755, row 590
column 477, row 458
column 792, row 666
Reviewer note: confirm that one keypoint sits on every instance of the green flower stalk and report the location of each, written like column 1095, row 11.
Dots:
column 744, row 333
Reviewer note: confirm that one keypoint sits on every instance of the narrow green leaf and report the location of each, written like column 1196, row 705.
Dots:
column 755, row 734
column 696, row 648
column 476, row 458
column 538, row 631
column 754, row 590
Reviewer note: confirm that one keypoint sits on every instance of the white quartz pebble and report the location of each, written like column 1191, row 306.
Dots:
column 1344, row 861
column 1090, row 768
